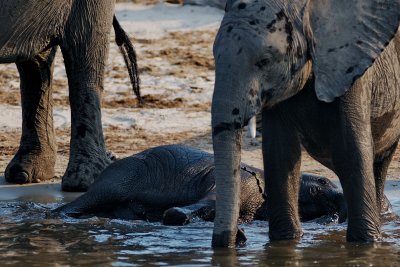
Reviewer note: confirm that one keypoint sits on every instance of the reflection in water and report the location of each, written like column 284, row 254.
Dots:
column 282, row 253
column 30, row 236
column 225, row 257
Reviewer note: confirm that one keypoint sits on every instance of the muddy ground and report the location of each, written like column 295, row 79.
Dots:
column 189, row 56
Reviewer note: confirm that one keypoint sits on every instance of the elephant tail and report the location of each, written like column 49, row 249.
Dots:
column 128, row 51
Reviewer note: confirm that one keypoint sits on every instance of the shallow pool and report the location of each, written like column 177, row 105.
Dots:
column 31, row 236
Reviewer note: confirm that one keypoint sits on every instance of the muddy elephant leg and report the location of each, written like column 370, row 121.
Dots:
column 88, row 155
column 36, row 156
column 352, row 157
column 85, row 56
column 282, row 156
column 183, row 215
column 381, row 165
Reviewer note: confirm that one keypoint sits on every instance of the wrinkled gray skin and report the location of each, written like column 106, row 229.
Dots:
column 175, row 183
column 325, row 75
column 30, row 32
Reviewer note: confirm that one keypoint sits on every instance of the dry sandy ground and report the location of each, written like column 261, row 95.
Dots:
column 183, row 55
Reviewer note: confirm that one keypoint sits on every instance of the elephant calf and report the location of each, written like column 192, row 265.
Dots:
column 174, row 183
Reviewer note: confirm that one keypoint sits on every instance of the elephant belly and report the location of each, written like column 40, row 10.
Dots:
column 167, row 189
column 166, row 198
column 381, row 81
column 320, row 153
column 385, row 133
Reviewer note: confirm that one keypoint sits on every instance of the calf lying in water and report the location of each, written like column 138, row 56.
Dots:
column 175, row 183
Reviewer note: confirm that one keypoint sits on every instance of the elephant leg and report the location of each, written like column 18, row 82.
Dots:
column 88, row 156
column 381, row 165
column 352, row 158
column 183, row 215
column 85, row 56
column 282, row 157
column 36, row 156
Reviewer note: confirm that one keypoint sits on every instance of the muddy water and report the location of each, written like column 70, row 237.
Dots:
column 31, row 236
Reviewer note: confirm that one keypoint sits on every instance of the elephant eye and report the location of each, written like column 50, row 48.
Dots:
column 322, row 181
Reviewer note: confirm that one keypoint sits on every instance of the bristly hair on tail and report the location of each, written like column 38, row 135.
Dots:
column 128, row 51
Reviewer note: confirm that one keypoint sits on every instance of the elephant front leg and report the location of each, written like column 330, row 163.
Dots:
column 282, row 157
column 356, row 177
column 36, row 156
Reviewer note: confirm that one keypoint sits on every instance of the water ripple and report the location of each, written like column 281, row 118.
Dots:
column 29, row 234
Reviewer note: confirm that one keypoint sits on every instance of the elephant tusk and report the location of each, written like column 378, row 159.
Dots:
column 252, row 127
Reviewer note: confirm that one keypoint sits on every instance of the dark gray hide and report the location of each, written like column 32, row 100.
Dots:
column 153, row 184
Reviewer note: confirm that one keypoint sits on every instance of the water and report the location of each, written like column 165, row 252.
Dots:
column 31, row 236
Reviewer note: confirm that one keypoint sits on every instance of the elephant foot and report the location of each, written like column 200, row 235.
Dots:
column 368, row 234
column 176, row 216
column 112, row 156
column 30, row 167
column 387, row 213
column 82, row 171
column 363, row 237
column 285, row 235
column 240, row 238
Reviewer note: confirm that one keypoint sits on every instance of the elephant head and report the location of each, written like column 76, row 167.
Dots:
column 265, row 52
column 318, row 197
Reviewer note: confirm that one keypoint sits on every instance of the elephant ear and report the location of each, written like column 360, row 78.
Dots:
column 346, row 36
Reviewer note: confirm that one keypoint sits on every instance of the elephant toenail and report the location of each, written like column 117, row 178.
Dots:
column 22, row 178
column 36, row 180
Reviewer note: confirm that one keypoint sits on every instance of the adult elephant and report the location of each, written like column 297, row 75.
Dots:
column 30, row 32
column 324, row 74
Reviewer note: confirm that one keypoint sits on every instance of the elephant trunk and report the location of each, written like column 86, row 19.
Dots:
column 235, row 101
column 84, row 204
column 227, row 139
column 75, row 208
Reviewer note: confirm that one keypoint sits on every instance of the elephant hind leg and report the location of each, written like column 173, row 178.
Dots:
column 35, row 158
column 381, row 165
column 85, row 59
column 282, row 158
column 204, row 210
